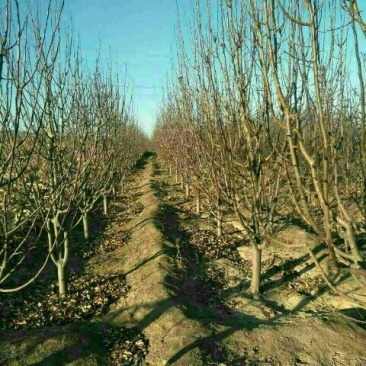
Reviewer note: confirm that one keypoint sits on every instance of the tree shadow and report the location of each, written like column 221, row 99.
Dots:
column 142, row 162
column 35, row 338
column 197, row 300
column 53, row 337
column 185, row 285
column 286, row 270
column 296, row 221
column 158, row 191
column 89, row 342
column 144, row 262
column 355, row 314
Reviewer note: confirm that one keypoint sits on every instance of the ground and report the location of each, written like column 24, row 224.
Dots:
column 188, row 298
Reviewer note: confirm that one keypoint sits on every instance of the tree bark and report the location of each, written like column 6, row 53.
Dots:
column 62, row 284
column 188, row 191
column 198, row 204
column 219, row 225
column 86, row 226
column 105, row 204
column 256, row 269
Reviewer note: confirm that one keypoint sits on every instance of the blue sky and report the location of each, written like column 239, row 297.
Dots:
column 139, row 34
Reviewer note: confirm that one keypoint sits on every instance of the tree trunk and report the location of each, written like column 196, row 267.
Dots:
column 330, row 244
column 170, row 169
column 61, row 265
column 219, row 225
column 62, row 284
column 182, row 182
column 176, row 175
column 188, row 193
column 198, row 204
column 105, row 204
column 256, row 269
column 61, row 256
column 86, row 225
column 350, row 241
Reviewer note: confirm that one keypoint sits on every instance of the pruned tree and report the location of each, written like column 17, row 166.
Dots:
column 305, row 82
column 24, row 40
column 233, row 154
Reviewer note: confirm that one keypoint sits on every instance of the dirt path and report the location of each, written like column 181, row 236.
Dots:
column 149, row 305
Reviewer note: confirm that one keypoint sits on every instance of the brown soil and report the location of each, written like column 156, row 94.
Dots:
column 297, row 321
column 149, row 306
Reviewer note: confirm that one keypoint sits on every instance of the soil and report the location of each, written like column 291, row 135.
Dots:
column 193, row 303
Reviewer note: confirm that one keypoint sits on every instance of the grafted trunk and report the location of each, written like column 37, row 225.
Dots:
column 331, row 251
column 363, row 191
column 256, row 269
column 61, row 276
column 86, row 225
column 350, row 241
column 114, row 191
column 219, row 225
column 61, row 262
column 198, row 204
column 188, row 191
column 219, row 217
column 105, row 204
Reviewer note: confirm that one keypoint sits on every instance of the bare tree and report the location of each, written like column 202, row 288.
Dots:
column 264, row 93
column 25, row 39
column 232, row 155
column 304, row 82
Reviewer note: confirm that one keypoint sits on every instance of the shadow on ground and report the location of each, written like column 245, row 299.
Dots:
column 205, row 302
column 200, row 301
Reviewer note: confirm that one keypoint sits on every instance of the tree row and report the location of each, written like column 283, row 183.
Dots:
column 68, row 140
column 265, row 119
